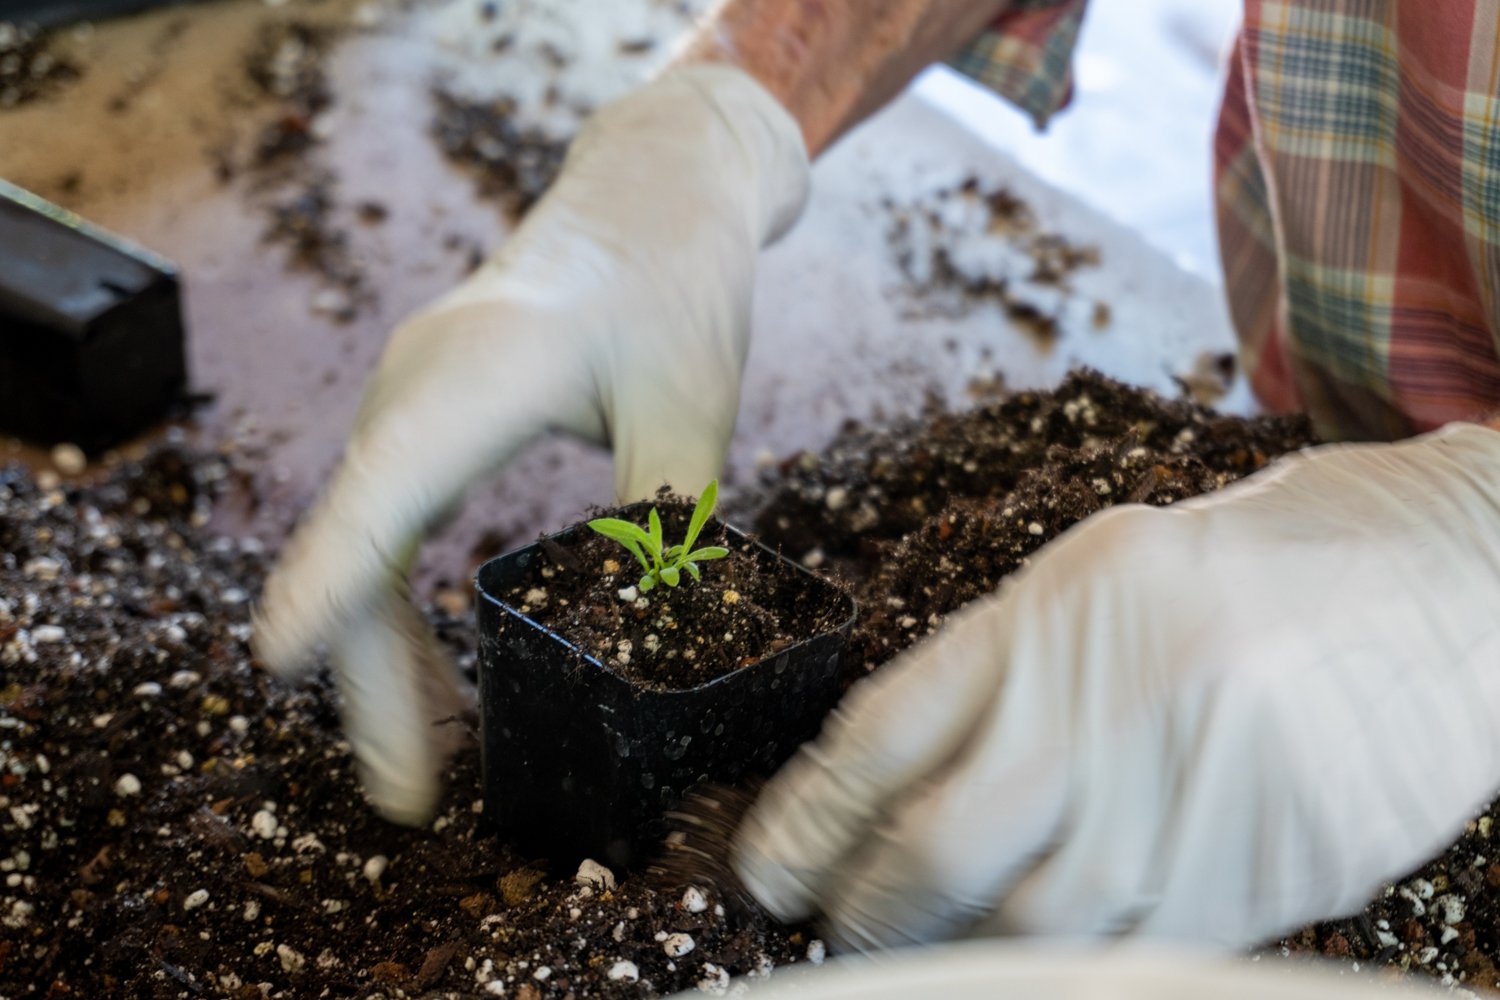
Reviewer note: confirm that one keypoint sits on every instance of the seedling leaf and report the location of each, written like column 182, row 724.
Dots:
column 654, row 520
column 701, row 513
column 627, row 534
column 646, row 544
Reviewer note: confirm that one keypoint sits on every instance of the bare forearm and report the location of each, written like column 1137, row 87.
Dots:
column 832, row 63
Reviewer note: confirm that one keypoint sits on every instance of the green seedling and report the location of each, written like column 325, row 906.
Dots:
column 665, row 565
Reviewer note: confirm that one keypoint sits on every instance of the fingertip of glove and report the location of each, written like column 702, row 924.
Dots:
column 773, row 885
column 400, row 799
column 279, row 639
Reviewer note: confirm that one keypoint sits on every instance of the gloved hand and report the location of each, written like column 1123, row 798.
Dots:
column 1210, row 723
column 618, row 311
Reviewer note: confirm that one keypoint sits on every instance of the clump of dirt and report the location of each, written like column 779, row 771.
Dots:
column 286, row 63
column 513, row 162
column 748, row 606
column 30, row 66
column 304, row 222
column 962, row 245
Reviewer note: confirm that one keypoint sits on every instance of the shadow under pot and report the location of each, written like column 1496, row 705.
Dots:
column 601, row 705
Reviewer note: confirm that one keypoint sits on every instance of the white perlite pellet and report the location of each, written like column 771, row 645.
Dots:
column 817, row 951
column 628, row 971
column 693, row 900
column 264, row 824
column 594, row 875
column 195, row 899
column 291, row 958
column 127, row 785
column 1451, row 907
column 375, row 867
column 677, row 945
column 44, row 634
column 69, row 458
column 715, row 981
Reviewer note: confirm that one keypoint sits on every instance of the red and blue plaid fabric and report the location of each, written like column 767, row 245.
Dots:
column 1357, row 167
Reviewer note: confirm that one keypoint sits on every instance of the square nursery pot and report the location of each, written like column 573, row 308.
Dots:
column 579, row 761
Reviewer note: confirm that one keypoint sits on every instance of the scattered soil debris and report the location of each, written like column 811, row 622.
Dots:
column 286, row 63
column 970, row 243
column 303, row 222
column 372, row 212
column 173, row 822
column 515, row 163
column 30, row 66
column 1210, row 377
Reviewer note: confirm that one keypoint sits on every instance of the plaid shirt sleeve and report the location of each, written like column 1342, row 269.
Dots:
column 1358, row 187
column 1026, row 56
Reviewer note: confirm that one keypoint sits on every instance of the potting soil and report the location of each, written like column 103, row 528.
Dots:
column 173, row 823
column 672, row 637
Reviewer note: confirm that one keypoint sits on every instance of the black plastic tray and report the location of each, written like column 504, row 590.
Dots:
column 91, row 337
column 50, row 13
column 579, row 762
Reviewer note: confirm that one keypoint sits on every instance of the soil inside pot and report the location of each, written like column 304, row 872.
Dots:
column 746, row 607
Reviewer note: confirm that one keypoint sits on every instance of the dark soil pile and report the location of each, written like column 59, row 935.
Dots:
column 672, row 638
column 175, row 824
column 927, row 516
column 29, row 67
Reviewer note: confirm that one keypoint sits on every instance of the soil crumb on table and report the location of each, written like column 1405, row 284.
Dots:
column 976, row 242
column 512, row 161
column 286, row 64
column 174, row 823
column 30, row 66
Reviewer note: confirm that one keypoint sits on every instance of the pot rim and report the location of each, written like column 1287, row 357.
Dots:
column 843, row 627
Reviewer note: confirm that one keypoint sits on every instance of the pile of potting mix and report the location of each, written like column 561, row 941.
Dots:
column 177, row 824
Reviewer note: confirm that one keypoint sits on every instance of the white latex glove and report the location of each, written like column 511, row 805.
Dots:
column 1210, row 723
column 1025, row 970
column 618, row 311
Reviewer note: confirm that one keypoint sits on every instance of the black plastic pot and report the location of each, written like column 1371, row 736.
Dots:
column 579, row 762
